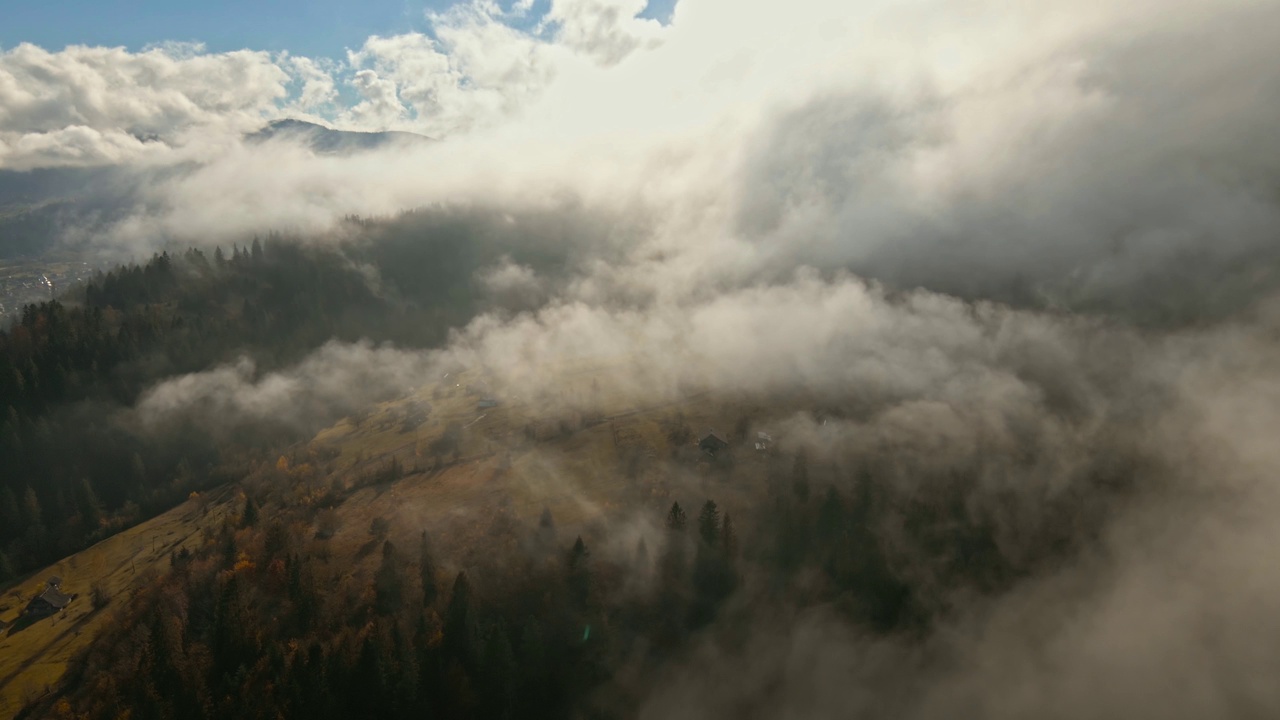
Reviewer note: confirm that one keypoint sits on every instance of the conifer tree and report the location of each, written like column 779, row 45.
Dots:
column 458, row 622
column 34, row 516
column 250, row 516
column 709, row 523
column 642, row 562
column 388, row 583
column 498, row 673
column 800, row 476
column 579, row 574
column 676, row 517
column 90, row 510
column 427, row 571
column 728, row 538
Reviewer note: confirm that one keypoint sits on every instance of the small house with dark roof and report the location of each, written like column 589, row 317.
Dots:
column 50, row 601
column 712, row 443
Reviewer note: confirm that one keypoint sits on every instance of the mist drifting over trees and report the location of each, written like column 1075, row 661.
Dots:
column 978, row 304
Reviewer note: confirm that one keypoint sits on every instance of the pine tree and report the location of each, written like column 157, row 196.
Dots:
column 296, row 587
column 388, row 584
column 498, row 675
column 712, row 578
column 6, row 568
column 138, row 476
column 709, row 523
column 10, row 513
column 427, row 571
column 673, row 579
column 642, row 562
column 458, row 622
column 228, row 624
column 676, row 518
column 250, row 516
column 830, row 513
column 90, row 510
column 579, row 574
column 533, row 686
column 545, row 540
column 800, row 477
column 34, row 517
column 728, row 538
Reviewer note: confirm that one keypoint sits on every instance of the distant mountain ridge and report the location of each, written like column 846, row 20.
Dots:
column 328, row 141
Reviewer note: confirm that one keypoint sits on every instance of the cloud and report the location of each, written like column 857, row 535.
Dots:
column 74, row 145
column 319, row 92
column 1026, row 245
column 93, row 99
column 513, row 286
column 335, row 380
column 380, row 102
column 1160, row 615
column 475, row 71
column 1052, row 156
column 606, row 30
column 1081, row 170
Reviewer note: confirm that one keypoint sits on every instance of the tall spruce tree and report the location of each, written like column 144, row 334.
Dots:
column 427, row 571
column 388, row 582
column 709, row 523
column 676, row 517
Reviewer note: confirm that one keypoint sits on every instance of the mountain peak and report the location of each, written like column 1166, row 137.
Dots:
column 330, row 141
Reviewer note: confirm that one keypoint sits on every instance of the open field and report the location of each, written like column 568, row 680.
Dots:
column 509, row 468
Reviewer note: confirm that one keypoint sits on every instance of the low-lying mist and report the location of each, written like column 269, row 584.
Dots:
column 1121, row 477
column 1015, row 266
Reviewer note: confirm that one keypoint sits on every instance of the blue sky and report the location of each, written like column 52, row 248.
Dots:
column 315, row 28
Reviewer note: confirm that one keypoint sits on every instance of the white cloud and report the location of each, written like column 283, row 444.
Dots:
column 335, row 379
column 319, row 92
column 74, row 145
column 379, row 104
column 1077, row 146
column 95, row 97
column 606, row 30
column 1064, row 143
column 478, row 71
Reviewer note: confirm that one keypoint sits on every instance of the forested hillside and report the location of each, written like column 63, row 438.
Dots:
column 519, row 616
column 72, row 468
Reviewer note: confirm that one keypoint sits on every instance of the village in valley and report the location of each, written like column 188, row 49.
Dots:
column 26, row 282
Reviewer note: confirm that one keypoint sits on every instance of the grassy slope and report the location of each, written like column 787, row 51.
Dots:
column 505, row 476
